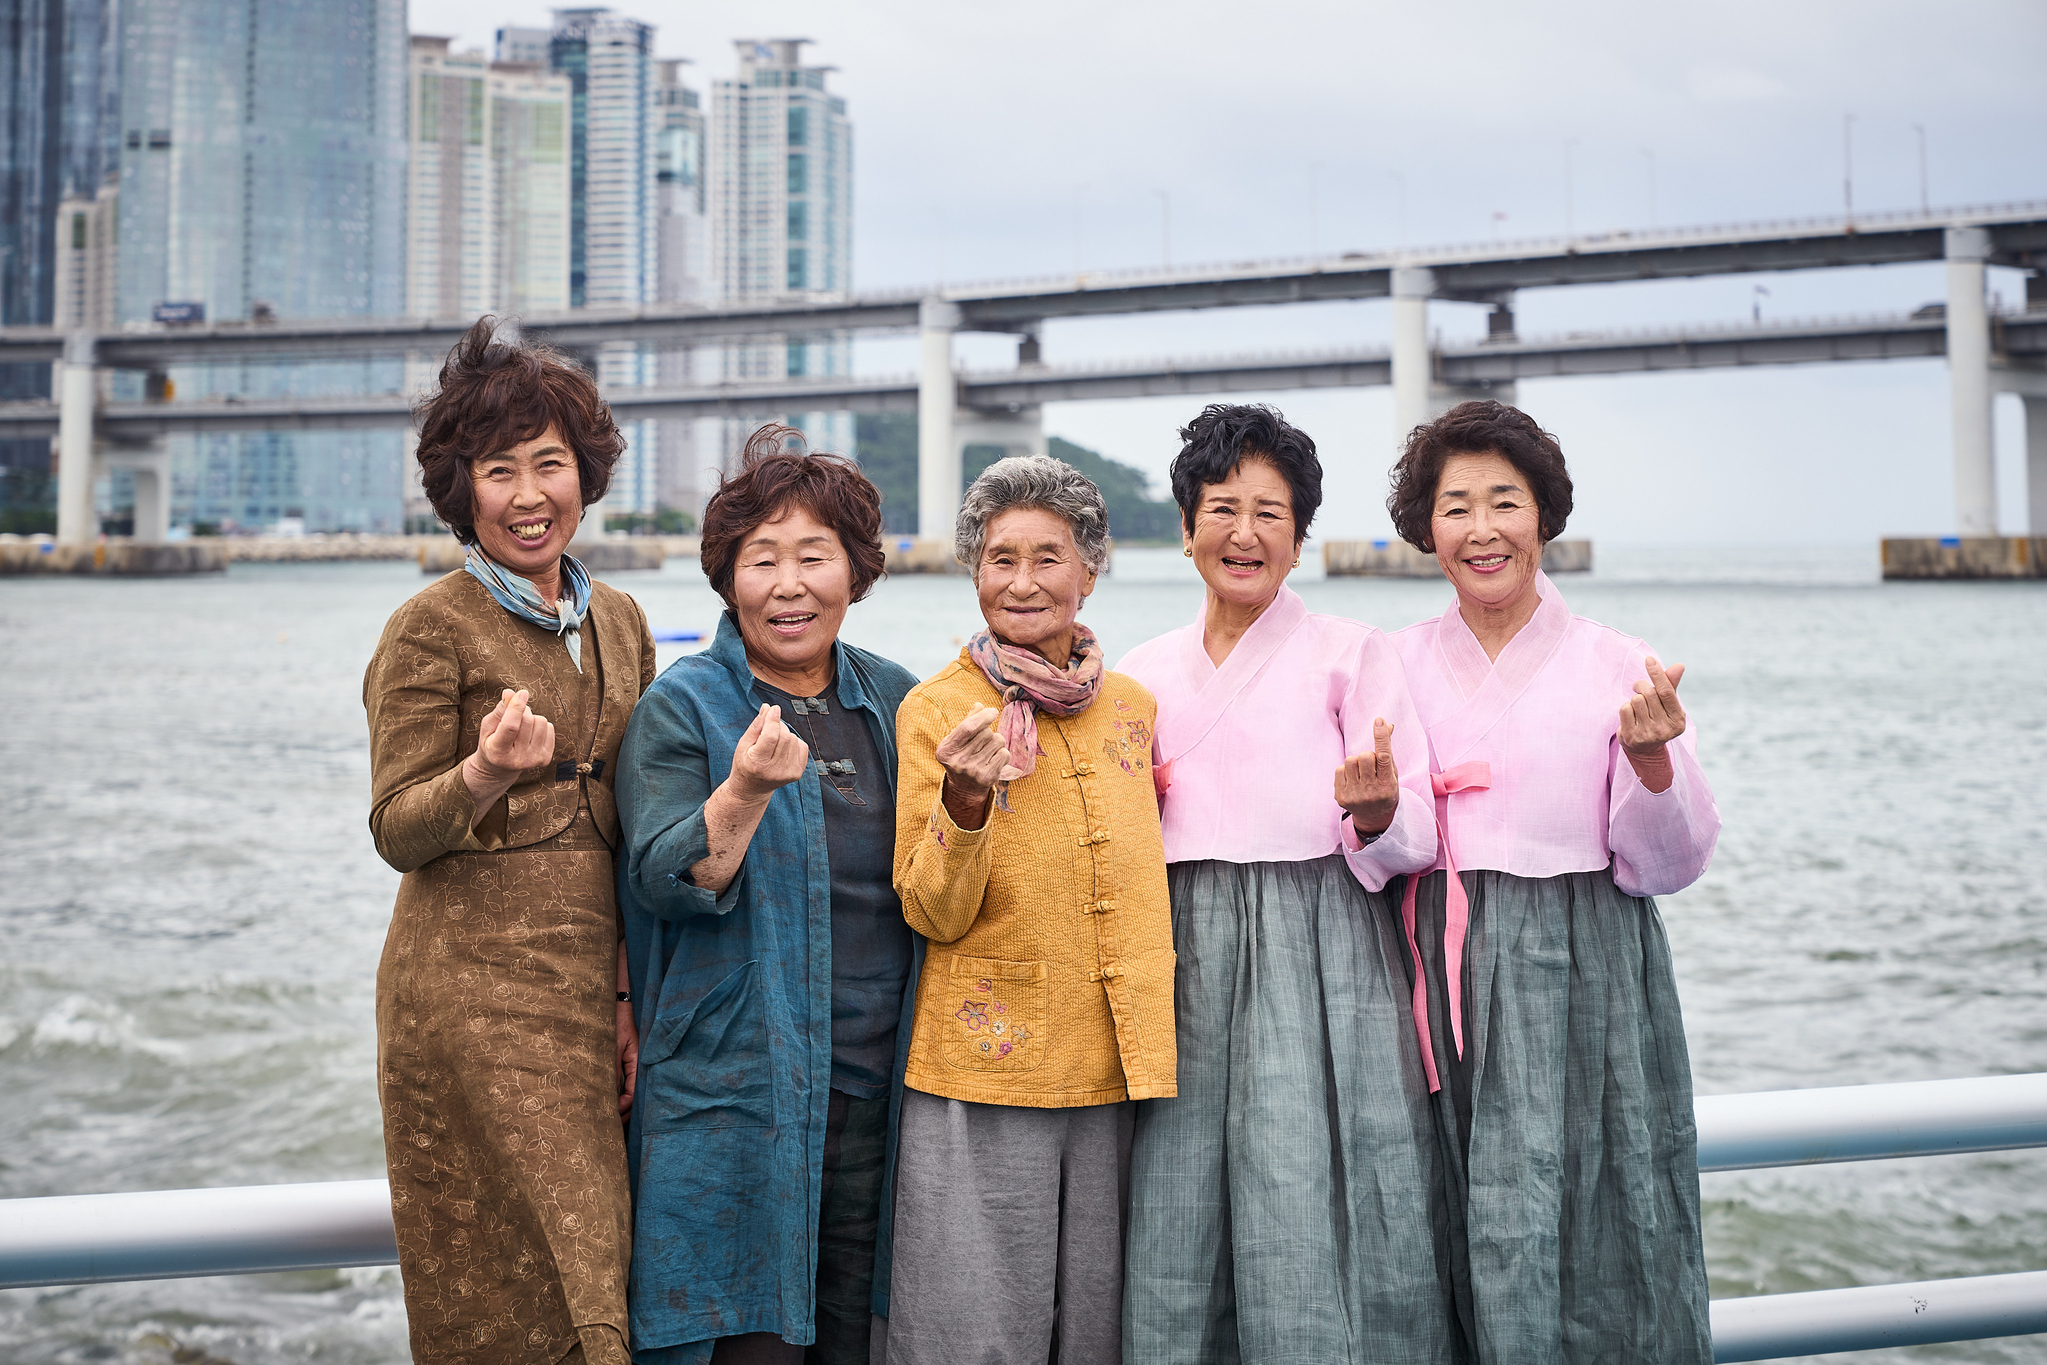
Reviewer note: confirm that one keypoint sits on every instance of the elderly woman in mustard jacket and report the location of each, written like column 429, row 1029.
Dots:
column 1028, row 853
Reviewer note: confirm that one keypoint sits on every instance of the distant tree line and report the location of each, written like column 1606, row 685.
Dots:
column 888, row 455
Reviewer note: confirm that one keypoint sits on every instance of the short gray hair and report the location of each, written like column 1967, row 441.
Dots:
column 1033, row 481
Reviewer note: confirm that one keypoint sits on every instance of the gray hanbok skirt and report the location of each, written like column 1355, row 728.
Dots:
column 1288, row 1205
column 1567, row 1127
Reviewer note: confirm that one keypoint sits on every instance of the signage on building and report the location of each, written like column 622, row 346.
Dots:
column 178, row 312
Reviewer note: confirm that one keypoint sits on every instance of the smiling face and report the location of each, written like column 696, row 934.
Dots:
column 1031, row 581
column 1487, row 530
column 791, row 585
column 528, row 501
column 1244, row 540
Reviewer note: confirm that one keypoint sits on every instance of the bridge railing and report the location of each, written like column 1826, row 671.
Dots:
column 166, row 1234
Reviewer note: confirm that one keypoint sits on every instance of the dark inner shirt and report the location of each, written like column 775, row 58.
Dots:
column 870, row 941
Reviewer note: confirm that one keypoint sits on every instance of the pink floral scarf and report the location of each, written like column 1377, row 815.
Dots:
column 1029, row 684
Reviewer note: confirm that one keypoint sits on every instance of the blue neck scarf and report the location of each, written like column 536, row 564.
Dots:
column 520, row 598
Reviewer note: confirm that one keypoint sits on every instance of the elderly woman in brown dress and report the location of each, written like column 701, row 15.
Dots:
column 497, row 700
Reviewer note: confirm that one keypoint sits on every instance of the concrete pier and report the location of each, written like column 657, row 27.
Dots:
column 1413, row 367
column 938, row 454
column 1398, row 559
column 1965, row 557
column 613, row 554
column 122, row 557
column 1968, row 362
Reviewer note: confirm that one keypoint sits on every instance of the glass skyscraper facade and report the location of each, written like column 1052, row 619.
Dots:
column 262, row 165
column 781, row 211
column 58, row 68
column 614, row 203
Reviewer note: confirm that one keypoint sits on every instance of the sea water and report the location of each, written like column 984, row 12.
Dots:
column 191, row 909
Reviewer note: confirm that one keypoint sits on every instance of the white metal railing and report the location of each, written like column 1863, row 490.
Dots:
column 166, row 1234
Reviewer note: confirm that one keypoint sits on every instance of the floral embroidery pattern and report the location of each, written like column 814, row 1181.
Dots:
column 938, row 832
column 1129, row 748
column 988, row 1016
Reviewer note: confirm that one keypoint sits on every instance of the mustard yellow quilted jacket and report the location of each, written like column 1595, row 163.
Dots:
column 1049, row 977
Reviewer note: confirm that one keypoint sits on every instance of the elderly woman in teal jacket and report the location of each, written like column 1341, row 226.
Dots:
column 772, row 974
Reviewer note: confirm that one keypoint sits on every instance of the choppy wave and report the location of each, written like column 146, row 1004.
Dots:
column 194, row 910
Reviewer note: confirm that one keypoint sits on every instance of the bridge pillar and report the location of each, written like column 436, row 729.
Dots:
column 1968, row 361
column 76, row 396
column 2036, row 463
column 151, row 466
column 1413, row 366
column 589, row 528
column 938, row 453
column 1443, row 397
column 1018, row 432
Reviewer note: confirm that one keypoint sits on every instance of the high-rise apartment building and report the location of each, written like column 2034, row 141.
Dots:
column 262, row 168
column 781, row 209
column 58, row 90
column 613, row 201
column 488, row 195
column 684, row 257
column 608, row 60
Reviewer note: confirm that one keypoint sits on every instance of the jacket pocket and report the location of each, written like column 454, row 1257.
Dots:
column 993, row 1017
column 709, row 1066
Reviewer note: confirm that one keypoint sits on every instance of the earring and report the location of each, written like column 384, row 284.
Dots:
column 1297, row 561
column 1187, row 550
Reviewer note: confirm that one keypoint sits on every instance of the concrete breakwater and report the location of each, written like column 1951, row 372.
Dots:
column 1398, row 559
column 443, row 554
column 212, row 554
column 123, row 557
column 1965, row 557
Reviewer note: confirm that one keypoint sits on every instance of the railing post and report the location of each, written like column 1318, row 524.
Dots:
column 1968, row 366
column 938, row 454
column 76, row 394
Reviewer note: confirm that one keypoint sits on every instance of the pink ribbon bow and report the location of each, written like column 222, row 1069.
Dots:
column 1475, row 776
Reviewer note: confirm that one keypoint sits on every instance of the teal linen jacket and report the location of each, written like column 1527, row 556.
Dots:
column 732, row 995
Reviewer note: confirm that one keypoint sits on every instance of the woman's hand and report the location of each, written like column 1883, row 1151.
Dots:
column 628, row 1039
column 1650, row 719
column 1368, row 785
column 769, row 757
column 511, row 740
column 974, row 759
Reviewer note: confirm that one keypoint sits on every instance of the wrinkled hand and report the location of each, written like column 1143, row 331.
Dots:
column 513, row 739
column 973, row 754
column 1368, row 785
column 769, row 757
column 628, row 1057
column 1653, row 716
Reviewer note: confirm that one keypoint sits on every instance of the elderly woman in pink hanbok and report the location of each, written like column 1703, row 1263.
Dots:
column 1286, row 1205
column 1568, row 792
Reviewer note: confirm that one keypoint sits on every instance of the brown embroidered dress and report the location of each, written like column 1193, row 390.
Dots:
column 496, row 1055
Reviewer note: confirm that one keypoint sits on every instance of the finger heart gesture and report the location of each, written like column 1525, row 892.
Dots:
column 1368, row 785
column 768, row 756
column 1653, row 716
column 974, row 756
column 513, row 739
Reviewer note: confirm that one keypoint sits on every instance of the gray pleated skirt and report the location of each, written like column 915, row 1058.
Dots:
column 1567, row 1128
column 1288, row 1205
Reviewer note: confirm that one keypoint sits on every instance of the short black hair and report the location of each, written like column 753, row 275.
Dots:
column 1227, row 434
column 1479, row 427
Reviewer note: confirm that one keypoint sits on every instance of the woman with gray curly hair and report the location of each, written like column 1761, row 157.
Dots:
column 1028, row 855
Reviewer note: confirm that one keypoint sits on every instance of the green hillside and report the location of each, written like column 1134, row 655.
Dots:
column 888, row 455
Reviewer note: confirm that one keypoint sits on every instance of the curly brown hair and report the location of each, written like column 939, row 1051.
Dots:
column 775, row 473
column 493, row 395
column 1480, row 427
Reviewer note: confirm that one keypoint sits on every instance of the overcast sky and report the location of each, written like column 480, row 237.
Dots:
column 994, row 141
